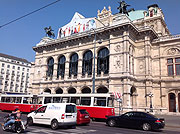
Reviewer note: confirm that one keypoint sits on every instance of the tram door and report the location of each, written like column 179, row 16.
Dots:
column 172, row 102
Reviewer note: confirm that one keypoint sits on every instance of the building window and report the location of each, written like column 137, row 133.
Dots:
column 87, row 63
column 73, row 65
column 18, row 68
column 103, row 61
column 61, row 66
column 177, row 66
column 8, row 66
column 13, row 67
column 50, row 65
column 173, row 66
column 2, row 64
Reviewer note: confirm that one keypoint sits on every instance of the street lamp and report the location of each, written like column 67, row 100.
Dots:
column 150, row 96
column 94, row 59
column 94, row 56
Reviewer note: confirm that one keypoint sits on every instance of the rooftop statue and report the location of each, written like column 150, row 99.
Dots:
column 123, row 7
column 49, row 32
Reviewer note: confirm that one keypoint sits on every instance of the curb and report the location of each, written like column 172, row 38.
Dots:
column 172, row 126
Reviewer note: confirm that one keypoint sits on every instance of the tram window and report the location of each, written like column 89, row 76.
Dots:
column 56, row 99
column 26, row 100
column 86, row 101
column 18, row 100
column 13, row 99
column 75, row 100
column 110, row 102
column 99, row 101
column 65, row 100
column 3, row 99
column 8, row 99
column 47, row 100
column 39, row 100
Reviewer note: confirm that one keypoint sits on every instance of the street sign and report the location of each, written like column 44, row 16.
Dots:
column 119, row 100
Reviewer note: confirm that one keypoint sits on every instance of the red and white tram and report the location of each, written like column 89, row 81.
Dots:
column 25, row 103
column 97, row 105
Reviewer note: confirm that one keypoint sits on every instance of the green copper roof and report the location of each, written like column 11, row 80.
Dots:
column 135, row 15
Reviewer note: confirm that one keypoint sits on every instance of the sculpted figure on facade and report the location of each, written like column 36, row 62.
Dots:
column 123, row 7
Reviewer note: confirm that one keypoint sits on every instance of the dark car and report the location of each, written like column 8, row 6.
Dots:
column 83, row 117
column 136, row 119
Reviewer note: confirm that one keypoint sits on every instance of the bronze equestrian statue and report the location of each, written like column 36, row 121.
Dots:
column 123, row 7
column 49, row 32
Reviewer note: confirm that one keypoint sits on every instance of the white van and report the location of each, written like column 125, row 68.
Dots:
column 54, row 114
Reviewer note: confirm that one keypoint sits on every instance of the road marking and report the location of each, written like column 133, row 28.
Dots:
column 60, row 131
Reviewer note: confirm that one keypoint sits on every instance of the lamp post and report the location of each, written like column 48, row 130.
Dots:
column 94, row 59
column 150, row 96
column 94, row 56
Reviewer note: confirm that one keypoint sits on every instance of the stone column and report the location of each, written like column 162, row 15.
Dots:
column 55, row 67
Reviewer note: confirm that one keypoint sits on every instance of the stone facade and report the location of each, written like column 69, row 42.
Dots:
column 139, row 51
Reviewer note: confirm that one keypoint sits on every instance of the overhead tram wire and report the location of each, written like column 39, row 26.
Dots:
column 29, row 13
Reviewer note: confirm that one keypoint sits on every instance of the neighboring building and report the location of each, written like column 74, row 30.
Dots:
column 136, row 56
column 14, row 74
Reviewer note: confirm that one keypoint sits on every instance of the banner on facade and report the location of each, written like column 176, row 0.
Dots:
column 117, row 95
column 78, row 24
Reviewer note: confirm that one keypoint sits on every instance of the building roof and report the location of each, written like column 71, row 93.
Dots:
column 135, row 15
column 13, row 57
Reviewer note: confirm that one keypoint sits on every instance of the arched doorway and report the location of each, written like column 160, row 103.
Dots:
column 102, row 90
column 172, row 102
column 86, row 90
column 59, row 91
column 133, row 96
column 72, row 91
column 47, row 91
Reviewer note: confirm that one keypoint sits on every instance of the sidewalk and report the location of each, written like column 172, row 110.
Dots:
column 170, row 120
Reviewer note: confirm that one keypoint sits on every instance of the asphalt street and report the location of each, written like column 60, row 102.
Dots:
column 92, row 128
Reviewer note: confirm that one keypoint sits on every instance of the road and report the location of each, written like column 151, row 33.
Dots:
column 92, row 128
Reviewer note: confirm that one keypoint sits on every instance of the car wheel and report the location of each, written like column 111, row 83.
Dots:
column 30, row 121
column 146, row 127
column 54, row 124
column 111, row 123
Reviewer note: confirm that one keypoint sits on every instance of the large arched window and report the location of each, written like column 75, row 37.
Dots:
column 103, row 61
column 102, row 90
column 50, row 67
column 73, row 65
column 87, row 63
column 172, row 102
column 47, row 91
column 72, row 91
column 86, row 90
column 59, row 91
column 61, row 67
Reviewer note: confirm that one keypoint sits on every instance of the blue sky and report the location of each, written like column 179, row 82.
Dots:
column 18, row 38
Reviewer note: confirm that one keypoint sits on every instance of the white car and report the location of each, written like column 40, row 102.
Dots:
column 54, row 114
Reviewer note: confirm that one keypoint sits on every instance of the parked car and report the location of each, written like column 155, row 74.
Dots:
column 83, row 117
column 54, row 114
column 136, row 119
